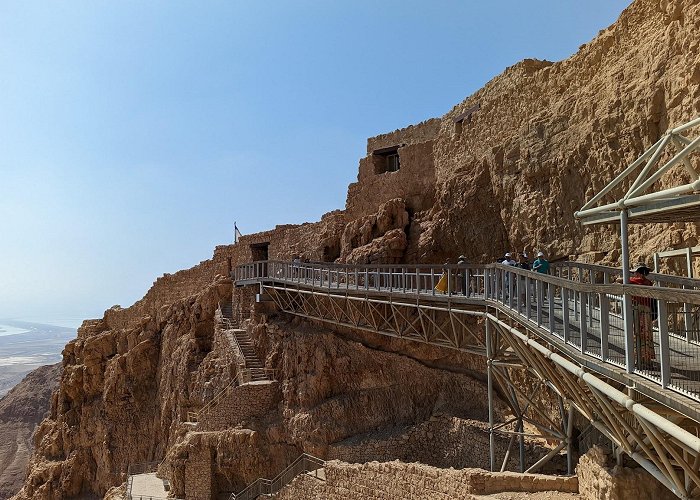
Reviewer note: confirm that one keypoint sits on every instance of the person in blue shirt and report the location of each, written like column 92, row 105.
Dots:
column 541, row 265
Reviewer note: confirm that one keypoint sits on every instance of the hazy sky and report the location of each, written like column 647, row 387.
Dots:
column 133, row 134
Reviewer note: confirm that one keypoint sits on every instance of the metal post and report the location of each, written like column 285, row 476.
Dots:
column 489, row 382
column 664, row 345
column 521, row 429
column 687, row 308
column 625, row 247
column 604, row 325
column 528, row 298
column 487, row 283
column 540, row 300
column 583, row 326
column 550, row 302
column 569, row 439
column 565, row 312
column 626, row 299
column 657, row 263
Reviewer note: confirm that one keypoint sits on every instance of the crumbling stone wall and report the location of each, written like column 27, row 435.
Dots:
column 398, row 481
column 599, row 481
column 240, row 404
column 442, row 441
column 414, row 182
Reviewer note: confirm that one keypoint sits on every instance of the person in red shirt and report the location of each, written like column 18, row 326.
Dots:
column 644, row 354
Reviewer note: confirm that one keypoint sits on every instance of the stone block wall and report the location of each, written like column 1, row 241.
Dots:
column 242, row 403
column 198, row 485
column 599, row 481
column 167, row 290
column 421, row 132
column 441, row 442
column 398, row 481
column 414, row 182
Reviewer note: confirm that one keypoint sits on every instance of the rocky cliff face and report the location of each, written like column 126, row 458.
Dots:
column 548, row 136
column 21, row 410
column 121, row 394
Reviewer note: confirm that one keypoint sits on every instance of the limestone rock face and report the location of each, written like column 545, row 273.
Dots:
column 122, row 394
column 548, row 136
column 21, row 410
column 377, row 238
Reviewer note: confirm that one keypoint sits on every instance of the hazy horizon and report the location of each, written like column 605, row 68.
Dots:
column 134, row 134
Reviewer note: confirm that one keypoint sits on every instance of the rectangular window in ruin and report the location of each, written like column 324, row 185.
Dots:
column 386, row 160
column 465, row 117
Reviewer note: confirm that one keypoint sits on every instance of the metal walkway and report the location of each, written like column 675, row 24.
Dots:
column 625, row 357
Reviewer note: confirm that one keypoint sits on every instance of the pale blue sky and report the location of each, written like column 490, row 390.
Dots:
column 133, row 134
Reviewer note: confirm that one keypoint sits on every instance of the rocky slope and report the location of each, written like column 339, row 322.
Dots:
column 547, row 136
column 21, row 410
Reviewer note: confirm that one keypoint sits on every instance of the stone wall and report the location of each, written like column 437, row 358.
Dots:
column 167, row 290
column 599, row 481
column 198, row 478
column 442, row 441
column 414, row 182
column 398, row 481
column 422, row 132
column 240, row 404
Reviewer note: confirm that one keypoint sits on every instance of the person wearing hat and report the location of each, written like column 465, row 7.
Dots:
column 463, row 274
column 541, row 265
column 508, row 259
column 644, row 353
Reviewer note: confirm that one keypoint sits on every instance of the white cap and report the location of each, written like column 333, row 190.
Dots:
column 524, row 255
column 540, row 254
column 507, row 254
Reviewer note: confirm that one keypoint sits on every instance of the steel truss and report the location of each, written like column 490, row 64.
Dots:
column 446, row 327
column 661, row 440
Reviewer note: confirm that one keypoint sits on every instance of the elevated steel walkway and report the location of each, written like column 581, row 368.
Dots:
column 625, row 357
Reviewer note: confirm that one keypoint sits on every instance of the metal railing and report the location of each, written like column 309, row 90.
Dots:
column 651, row 331
column 304, row 464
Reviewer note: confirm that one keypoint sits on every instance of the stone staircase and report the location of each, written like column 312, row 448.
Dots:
column 247, row 359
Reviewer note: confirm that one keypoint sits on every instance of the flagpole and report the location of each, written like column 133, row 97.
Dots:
column 235, row 233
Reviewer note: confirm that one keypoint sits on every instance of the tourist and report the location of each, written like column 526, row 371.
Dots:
column 523, row 262
column 508, row 259
column 644, row 353
column 444, row 281
column 541, row 265
column 463, row 274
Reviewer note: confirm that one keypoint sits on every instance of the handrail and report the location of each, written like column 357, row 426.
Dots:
column 657, row 277
column 302, row 464
column 597, row 319
column 437, row 269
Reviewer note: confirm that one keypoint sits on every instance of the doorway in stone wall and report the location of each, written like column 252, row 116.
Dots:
column 259, row 251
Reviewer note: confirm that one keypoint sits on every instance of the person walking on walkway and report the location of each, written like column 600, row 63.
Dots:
column 541, row 265
column 644, row 353
column 463, row 274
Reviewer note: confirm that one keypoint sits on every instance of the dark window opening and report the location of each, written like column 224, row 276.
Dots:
column 465, row 117
column 386, row 160
column 259, row 251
